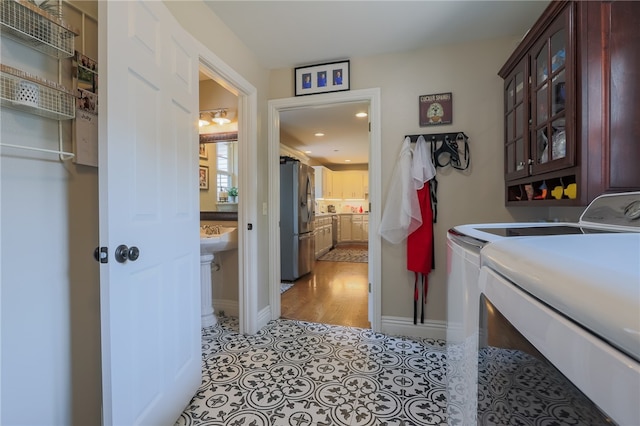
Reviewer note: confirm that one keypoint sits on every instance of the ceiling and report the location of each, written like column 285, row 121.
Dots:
column 345, row 140
column 287, row 34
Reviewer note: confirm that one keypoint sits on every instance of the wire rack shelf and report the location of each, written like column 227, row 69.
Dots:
column 28, row 24
column 26, row 92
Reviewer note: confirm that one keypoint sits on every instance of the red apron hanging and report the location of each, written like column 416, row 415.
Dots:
column 420, row 249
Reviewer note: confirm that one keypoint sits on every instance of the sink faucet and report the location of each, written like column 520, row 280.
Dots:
column 211, row 229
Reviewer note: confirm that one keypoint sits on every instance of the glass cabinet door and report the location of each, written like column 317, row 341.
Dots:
column 549, row 99
column 516, row 125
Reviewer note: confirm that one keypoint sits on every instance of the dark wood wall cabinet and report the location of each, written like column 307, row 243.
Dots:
column 572, row 105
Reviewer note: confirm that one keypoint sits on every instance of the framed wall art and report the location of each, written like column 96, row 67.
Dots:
column 322, row 78
column 204, row 177
column 203, row 152
column 436, row 109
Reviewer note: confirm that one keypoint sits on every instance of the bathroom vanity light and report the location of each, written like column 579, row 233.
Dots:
column 218, row 116
column 202, row 121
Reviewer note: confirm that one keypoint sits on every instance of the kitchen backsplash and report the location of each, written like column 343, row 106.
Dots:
column 351, row 206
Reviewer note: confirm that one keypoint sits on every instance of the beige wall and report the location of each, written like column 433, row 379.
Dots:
column 205, row 26
column 84, row 277
column 469, row 71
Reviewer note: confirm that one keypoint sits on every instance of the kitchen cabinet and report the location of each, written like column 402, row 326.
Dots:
column 365, row 183
column 360, row 227
column 351, row 184
column 570, row 92
column 345, row 227
column 338, row 184
column 323, row 235
column 323, row 182
column 354, row 228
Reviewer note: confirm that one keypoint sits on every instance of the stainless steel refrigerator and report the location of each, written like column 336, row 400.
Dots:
column 297, row 216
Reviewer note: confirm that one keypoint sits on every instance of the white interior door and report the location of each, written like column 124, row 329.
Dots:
column 150, row 307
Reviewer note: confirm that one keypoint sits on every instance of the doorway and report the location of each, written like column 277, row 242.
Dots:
column 372, row 96
column 334, row 140
column 218, row 176
column 218, row 71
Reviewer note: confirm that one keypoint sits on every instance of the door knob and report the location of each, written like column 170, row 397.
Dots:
column 124, row 253
column 134, row 253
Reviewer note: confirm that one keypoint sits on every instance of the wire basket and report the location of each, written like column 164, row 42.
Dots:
column 38, row 29
column 27, row 93
column 23, row 91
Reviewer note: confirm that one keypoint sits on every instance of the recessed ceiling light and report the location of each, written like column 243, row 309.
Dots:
column 361, row 114
column 319, row 134
column 307, row 152
column 347, row 161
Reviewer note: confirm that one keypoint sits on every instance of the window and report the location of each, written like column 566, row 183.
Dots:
column 225, row 156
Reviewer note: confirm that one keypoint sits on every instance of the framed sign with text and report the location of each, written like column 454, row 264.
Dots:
column 436, row 109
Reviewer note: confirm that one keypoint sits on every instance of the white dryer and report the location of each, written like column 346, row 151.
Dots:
column 553, row 300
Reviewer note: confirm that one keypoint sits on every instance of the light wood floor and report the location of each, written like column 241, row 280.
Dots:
column 334, row 293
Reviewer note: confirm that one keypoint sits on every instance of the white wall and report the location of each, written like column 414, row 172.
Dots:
column 36, row 336
column 49, row 228
column 469, row 71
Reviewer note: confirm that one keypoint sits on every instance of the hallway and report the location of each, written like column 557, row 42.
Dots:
column 333, row 293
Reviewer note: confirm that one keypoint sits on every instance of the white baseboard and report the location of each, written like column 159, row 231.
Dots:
column 264, row 316
column 229, row 307
column 395, row 326
column 401, row 326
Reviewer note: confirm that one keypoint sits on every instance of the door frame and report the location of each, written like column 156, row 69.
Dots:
column 247, row 95
column 375, row 167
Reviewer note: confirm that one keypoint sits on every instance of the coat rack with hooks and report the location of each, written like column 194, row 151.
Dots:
column 438, row 137
column 448, row 152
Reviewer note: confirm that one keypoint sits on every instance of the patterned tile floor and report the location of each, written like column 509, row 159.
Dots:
column 295, row 373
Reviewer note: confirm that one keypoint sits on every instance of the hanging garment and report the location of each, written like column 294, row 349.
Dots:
column 420, row 247
column 401, row 214
column 420, row 241
column 422, row 168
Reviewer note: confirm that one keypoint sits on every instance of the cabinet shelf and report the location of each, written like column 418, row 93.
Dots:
column 23, row 91
column 28, row 24
column 560, row 189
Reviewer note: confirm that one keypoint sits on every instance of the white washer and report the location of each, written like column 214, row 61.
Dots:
column 576, row 298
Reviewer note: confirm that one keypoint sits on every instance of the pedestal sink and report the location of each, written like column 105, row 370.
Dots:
column 221, row 238
column 213, row 239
